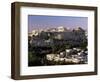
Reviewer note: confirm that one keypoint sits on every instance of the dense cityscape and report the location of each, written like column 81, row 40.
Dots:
column 57, row 46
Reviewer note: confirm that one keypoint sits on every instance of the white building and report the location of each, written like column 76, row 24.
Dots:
column 61, row 29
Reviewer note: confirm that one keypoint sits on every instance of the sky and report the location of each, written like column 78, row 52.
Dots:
column 43, row 21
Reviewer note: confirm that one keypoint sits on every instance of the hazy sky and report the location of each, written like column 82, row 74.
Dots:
column 42, row 22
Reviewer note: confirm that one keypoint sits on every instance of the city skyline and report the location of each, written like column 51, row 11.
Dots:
column 43, row 22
